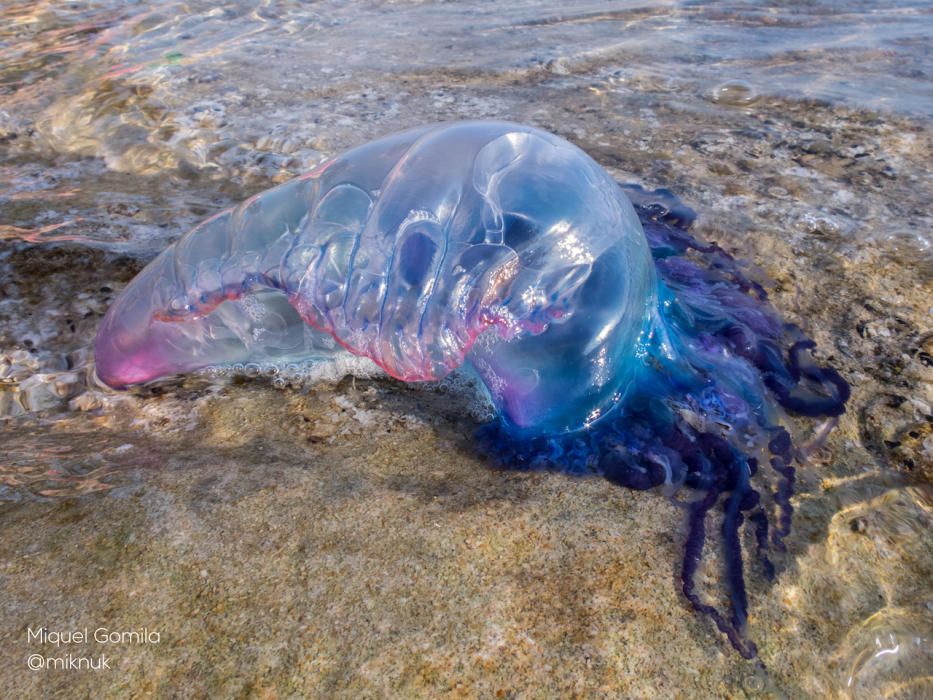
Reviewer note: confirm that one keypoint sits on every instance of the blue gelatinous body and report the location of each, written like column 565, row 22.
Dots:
column 610, row 340
column 405, row 251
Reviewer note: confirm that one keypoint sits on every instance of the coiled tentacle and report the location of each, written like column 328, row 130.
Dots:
column 707, row 408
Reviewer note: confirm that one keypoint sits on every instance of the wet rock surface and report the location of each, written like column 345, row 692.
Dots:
column 345, row 540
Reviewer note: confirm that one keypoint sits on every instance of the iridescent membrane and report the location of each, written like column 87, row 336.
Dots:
column 610, row 340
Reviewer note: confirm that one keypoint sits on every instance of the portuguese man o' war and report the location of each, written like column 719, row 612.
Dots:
column 610, row 341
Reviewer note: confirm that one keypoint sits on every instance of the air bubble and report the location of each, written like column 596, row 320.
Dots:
column 736, row 93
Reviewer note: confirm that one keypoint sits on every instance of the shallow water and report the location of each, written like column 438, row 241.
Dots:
column 392, row 559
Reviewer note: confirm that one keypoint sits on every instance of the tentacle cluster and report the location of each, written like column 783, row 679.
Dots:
column 707, row 412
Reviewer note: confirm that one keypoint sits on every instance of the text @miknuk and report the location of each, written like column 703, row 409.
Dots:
column 70, row 647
